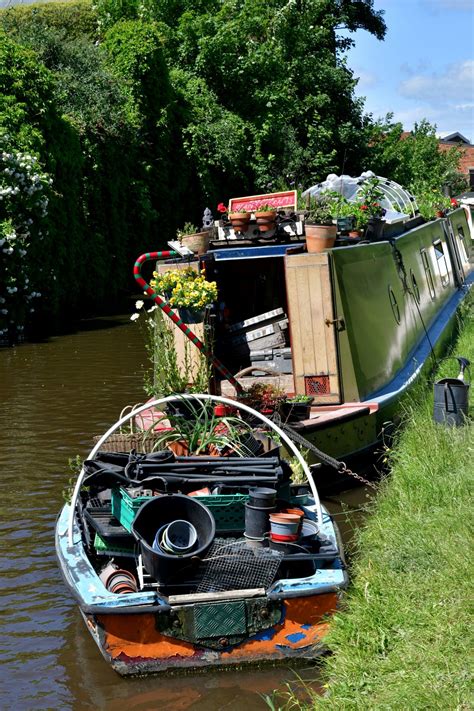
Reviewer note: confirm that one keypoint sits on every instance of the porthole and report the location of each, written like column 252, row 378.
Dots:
column 394, row 304
column 414, row 286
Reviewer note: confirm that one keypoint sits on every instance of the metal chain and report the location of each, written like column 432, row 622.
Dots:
column 339, row 466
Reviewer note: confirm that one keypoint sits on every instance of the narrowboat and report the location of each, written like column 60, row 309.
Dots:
column 187, row 562
column 351, row 326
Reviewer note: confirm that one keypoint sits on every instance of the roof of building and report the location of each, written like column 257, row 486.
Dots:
column 453, row 137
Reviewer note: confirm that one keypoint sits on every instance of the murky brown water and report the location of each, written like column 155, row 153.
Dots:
column 54, row 397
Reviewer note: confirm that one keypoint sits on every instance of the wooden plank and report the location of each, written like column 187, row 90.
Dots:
column 188, row 355
column 215, row 596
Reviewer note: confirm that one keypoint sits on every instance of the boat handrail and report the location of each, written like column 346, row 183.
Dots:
column 194, row 396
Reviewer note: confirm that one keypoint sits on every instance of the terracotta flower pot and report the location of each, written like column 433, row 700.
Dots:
column 265, row 219
column 320, row 237
column 198, row 242
column 240, row 221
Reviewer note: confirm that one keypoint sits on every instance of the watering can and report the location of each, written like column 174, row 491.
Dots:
column 451, row 397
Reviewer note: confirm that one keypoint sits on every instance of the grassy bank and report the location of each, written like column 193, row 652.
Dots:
column 404, row 639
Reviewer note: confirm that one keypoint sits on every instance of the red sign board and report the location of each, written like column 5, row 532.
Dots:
column 285, row 200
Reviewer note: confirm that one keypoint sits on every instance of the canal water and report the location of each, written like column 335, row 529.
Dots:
column 54, row 397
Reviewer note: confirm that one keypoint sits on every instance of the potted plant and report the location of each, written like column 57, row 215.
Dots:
column 240, row 219
column 265, row 215
column 344, row 213
column 193, row 239
column 296, row 408
column 188, row 291
column 319, row 227
column 370, row 197
column 263, row 397
column 203, row 432
column 360, row 220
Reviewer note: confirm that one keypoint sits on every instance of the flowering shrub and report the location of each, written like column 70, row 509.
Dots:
column 370, row 197
column 24, row 190
column 263, row 397
column 185, row 288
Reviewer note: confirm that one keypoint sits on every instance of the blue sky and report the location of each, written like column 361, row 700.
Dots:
column 425, row 66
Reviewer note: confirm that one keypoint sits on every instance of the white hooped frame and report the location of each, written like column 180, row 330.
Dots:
column 201, row 397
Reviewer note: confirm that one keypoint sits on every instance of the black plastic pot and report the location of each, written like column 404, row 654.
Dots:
column 164, row 567
column 294, row 411
column 257, row 522
column 262, row 497
column 375, row 229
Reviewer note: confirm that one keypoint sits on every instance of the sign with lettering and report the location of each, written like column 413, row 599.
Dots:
column 280, row 201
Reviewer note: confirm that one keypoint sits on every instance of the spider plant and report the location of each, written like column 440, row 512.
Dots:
column 200, row 431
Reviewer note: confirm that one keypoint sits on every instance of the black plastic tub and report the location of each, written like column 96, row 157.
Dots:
column 167, row 568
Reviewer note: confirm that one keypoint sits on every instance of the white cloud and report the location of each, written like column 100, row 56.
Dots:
column 454, row 84
column 365, row 79
column 435, row 6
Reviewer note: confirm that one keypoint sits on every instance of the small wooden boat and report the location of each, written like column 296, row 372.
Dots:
column 175, row 566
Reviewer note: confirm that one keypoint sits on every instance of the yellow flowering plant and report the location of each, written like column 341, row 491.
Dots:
column 185, row 288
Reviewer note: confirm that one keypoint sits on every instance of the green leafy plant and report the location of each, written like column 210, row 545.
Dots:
column 323, row 208
column 370, row 196
column 239, row 211
column 167, row 373
column 187, row 229
column 305, row 399
column 197, row 430
column 266, row 208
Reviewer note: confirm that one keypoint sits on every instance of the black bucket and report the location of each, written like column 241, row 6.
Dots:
column 168, row 568
column 257, row 522
column 451, row 402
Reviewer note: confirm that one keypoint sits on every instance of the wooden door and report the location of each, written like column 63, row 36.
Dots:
column 312, row 328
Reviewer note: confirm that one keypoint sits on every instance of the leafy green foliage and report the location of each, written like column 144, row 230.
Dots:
column 415, row 160
column 77, row 18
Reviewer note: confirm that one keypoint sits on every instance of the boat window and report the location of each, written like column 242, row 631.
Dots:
column 394, row 304
column 442, row 262
column 428, row 274
column 414, row 285
column 462, row 240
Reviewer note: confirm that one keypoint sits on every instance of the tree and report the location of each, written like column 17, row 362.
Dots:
column 413, row 160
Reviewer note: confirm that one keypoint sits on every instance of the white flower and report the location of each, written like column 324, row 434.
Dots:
column 134, row 317
column 139, row 304
column 155, row 306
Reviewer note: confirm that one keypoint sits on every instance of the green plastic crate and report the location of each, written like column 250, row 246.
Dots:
column 124, row 507
column 104, row 548
column 228, row 511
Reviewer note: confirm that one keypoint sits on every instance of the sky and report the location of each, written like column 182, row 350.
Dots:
column 424, row 68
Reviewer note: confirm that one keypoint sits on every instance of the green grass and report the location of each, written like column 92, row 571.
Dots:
column 403, row 639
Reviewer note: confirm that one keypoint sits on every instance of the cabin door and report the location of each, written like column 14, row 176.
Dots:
column 453, row 249
column 312, row 326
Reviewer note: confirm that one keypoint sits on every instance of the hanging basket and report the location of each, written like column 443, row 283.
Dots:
column 189, row 315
